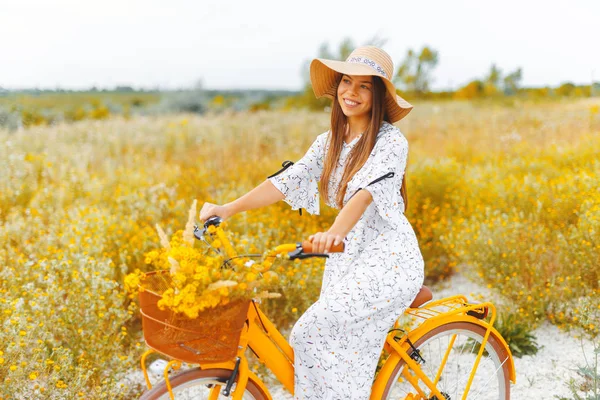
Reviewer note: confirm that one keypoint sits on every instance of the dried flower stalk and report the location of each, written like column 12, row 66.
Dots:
column 188, row 233
column 164, row 239
column 174, row 265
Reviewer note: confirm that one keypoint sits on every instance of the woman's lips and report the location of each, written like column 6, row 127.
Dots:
column 350, row 103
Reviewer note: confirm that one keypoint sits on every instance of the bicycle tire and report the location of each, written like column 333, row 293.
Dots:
column 397, row 388
column 193, row 379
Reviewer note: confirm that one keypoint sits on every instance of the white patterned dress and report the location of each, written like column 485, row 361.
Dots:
column 337, row 342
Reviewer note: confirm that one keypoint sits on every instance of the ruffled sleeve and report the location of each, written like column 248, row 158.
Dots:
column 299, row 183
column 385, row 177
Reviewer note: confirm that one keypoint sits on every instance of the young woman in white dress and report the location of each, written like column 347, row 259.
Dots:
column 357, row 166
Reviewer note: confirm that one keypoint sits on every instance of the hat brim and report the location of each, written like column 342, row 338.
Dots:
column 325, row 76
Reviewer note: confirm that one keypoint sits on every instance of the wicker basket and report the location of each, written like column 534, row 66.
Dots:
column 211, row 337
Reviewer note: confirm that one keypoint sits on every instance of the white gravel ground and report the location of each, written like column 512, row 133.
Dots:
column 542, row 376
column 546, row 374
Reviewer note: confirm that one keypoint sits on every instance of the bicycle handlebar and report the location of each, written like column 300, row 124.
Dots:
column 307, row 247
column 303, row 250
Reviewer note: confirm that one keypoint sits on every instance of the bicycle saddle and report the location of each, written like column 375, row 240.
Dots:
column 423, row 296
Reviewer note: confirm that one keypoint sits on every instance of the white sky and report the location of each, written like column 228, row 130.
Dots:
column 263, row 44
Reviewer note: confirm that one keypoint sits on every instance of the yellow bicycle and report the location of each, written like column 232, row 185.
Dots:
column 445, row 349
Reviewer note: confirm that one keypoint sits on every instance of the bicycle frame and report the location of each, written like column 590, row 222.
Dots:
column 272, row 349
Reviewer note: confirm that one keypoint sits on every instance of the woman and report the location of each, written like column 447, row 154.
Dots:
column 357, row 166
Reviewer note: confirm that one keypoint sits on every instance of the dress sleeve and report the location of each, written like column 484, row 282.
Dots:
column 299, row 183
column 390, row 157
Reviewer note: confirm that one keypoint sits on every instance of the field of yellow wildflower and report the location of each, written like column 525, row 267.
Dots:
column 508, row 194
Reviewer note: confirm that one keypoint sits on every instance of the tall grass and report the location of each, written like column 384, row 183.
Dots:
column 506, row 194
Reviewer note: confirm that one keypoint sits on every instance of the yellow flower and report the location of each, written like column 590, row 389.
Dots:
column 251, row 277
column 270, row 276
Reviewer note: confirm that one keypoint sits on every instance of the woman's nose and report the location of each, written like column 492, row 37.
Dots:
column 353, row 89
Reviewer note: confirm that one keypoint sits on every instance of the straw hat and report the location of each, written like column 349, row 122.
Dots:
column 366, row 60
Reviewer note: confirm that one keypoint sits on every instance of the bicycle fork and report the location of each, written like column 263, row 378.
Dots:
column 414, row 366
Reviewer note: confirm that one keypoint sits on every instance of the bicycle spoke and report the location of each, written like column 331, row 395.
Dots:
column 197, row 388
column 491, row 376
column 465, row 378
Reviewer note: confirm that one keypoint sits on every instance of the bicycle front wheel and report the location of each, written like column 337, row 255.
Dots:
column 449, row 352
column 201, row 384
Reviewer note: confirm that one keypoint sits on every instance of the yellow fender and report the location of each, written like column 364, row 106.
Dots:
column 388, row 367
column 251, row 375
column 260, row 384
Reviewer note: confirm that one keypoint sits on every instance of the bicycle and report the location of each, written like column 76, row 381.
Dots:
column 450, row 351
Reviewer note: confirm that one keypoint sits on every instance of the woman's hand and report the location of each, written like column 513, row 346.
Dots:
column 209, row 209
column 323, row 241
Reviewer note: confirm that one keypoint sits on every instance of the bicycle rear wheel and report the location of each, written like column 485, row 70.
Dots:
column 460, row 341
column 200, row 384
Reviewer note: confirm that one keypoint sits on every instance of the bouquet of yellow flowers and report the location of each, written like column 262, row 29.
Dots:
column 194, row 279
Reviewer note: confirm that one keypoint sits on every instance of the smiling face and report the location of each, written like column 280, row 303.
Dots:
column 355, row 95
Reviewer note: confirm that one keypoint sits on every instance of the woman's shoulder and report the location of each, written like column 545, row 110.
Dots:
column 321, row 139
column 389, row 133
column 323, row 135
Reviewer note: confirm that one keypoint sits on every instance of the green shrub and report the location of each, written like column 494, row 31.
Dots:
column 517, row 333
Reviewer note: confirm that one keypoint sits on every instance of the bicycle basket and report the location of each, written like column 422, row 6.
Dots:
column 211, row 337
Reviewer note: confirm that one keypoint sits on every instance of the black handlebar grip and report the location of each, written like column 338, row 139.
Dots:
column 214, row 220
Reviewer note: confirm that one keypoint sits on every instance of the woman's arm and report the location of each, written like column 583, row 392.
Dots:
column 297, row 185
column 263, row 195
column 343, row 224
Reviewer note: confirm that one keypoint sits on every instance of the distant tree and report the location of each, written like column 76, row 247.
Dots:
column 512, row 82
column 566, row 89
column 471, row 90
column 494, row 75
column 199, row 84
column 595, row 89
column 346, row 48
column 414, row 73
column 491, row 84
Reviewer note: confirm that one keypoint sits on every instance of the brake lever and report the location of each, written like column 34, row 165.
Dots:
column 199, row 232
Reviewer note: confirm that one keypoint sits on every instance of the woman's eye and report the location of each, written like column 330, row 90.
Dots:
column 346, row 80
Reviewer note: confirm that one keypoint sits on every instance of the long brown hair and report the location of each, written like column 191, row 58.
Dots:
column 360, row 152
